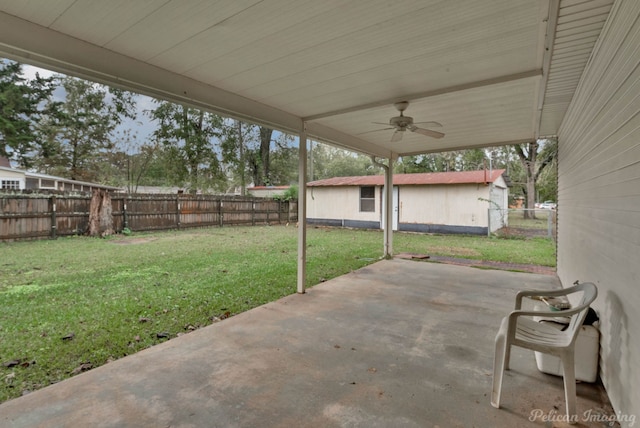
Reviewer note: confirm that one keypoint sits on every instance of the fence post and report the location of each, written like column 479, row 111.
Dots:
column 253, row 212
column 268, row 214
column 279, row 211
column 178, row 212
column 220, row 213
column 125, row 215
column 54, row 220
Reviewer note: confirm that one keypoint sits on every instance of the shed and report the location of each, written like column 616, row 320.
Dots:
column 441, row 202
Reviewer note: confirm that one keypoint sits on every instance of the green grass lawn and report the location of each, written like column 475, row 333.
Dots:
column 75, row 303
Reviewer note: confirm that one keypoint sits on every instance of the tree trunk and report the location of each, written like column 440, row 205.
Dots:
column 100, row 214
column 265, row 147
column 528, row 160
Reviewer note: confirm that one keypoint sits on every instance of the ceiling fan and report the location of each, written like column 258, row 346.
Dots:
column 402, row 123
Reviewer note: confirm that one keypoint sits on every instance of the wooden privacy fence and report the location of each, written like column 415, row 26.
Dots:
column 29, row 216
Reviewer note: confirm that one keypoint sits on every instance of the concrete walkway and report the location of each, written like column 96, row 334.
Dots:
column 396, row 344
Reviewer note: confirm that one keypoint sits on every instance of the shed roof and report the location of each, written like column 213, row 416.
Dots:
column 426, row 178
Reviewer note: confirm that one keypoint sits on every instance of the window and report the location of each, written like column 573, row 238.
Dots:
column 47, row 184
column 10, row 185
column 367, row 199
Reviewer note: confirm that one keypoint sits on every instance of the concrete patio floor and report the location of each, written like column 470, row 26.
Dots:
column 396, row 344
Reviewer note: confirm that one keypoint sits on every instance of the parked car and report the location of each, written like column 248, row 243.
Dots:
column 547, row 205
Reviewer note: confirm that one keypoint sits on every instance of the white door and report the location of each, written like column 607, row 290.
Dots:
column 394, row 212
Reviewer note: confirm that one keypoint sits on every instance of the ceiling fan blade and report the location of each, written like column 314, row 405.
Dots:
column 381, row 123
column 429, row 124
column 397, row 136
column 427, row 132
column 375, row 130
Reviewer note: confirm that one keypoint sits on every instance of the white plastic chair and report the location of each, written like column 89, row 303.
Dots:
column 519, row 329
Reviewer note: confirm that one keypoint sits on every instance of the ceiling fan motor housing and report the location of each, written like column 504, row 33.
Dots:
column 401, row 122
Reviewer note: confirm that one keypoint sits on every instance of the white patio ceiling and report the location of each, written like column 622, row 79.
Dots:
column 491, row 71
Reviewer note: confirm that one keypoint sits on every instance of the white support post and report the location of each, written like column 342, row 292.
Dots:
column 388, row 215
column 302, row 210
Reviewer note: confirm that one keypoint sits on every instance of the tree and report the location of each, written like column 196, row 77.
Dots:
column 188, row 135
column 328, row 161
column 261, row 164
column 535, row 156
column 455, row 160
column 130, row 162
column 251, row 150
column 77, row 134
column 283, row 162
column 22, row 103
column 234, row 151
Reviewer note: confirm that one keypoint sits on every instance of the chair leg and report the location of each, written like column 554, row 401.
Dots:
column 498, row 369
column 507, row 357
column 569, row 377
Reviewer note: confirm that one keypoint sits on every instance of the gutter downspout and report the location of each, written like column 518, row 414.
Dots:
column 302, row 209
column 388, row 213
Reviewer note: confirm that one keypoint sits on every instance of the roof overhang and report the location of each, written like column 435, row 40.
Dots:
column 492, row 72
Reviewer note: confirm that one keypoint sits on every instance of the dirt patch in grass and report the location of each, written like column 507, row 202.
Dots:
column 133, row 241
column 454, row 251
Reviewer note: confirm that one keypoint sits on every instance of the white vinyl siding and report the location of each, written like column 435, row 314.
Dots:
column 599, row 198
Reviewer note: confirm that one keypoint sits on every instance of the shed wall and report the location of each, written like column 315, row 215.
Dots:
column 456, row 204
column 339, row 202
column 445, row 208
column 599, row 200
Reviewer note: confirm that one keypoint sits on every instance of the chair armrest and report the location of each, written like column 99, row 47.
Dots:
column 543, row 293
column 546, row 314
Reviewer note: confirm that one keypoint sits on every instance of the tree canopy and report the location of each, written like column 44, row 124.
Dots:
column 22, row 104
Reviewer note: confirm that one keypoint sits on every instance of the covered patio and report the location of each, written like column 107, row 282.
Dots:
column 492, row 72
column 396, row 344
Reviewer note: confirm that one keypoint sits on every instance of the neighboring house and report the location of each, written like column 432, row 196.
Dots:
column 17, row 179
column 444, row 202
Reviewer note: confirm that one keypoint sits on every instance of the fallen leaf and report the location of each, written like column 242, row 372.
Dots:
column 372, row 370
column 162, row 335
column 11, row 363
column 82, row 368
column 69, row 336
column 143, row 319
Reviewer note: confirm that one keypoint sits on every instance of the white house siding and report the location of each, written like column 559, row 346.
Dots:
column 7, row 174
column 599, row 198
column 340, row 206
column 452, row 207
